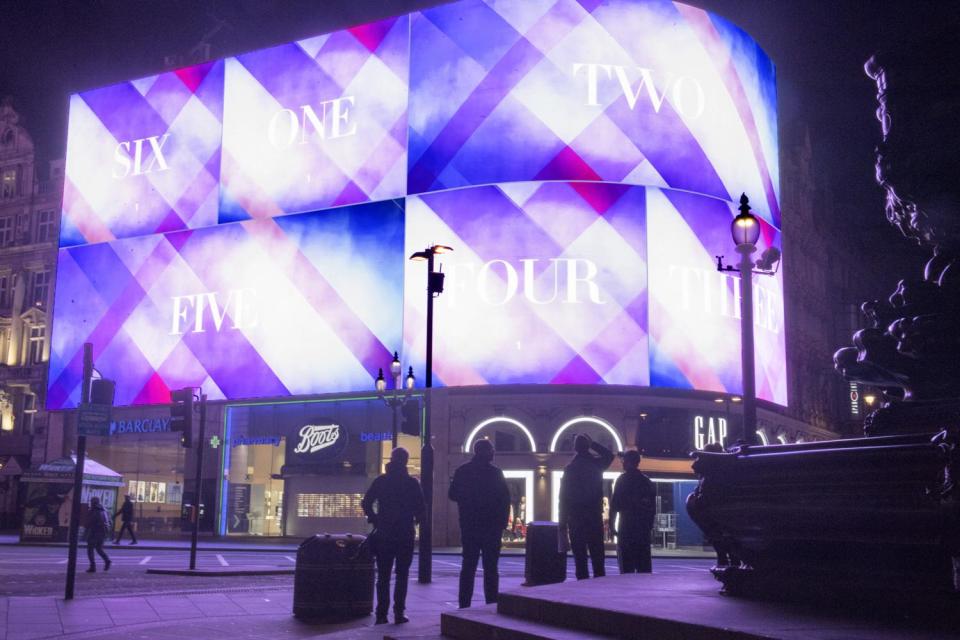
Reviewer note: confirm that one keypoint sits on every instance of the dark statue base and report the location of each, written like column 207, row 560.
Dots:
column 861, row 518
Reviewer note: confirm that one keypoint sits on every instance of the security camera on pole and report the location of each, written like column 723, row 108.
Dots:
column 745, row 229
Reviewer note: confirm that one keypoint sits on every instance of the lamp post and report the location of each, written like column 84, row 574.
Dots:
column 434, row 288
column 745, row 229
column 396, row 400
column 725, row 401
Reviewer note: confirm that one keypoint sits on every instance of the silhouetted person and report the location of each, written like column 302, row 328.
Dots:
column 97, row 526
column 635, row 501
column 483, row 502
column 126, row 519
column 581, row 504
column 399, row 503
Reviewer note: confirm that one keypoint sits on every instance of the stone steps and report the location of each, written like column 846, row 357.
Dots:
column 484, row 623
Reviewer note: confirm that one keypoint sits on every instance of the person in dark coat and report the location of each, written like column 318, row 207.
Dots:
column 399, row 504
column 97, row 525
column 635, row 501
column 581, row 504
column 483, row 503
column 126, row 518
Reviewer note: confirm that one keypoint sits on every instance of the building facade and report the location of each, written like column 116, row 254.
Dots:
column 29, row 220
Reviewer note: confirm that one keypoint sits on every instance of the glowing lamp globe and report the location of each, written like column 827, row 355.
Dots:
column 745, row 228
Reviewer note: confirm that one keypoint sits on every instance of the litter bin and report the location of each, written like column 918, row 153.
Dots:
column 543, row 563
column 333, row 579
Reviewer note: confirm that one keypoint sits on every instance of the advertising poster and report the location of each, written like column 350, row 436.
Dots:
column 646, row 93
column 547, row 284
column 144, row 156
column 316, row 123
column 244, row 310
column 46, row 511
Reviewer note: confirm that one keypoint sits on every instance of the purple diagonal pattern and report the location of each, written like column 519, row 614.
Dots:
column 124, row 112
column 666, row 142
column 499, row 81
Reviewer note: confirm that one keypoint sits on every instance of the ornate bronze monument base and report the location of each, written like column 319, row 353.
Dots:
column 875, row 517
column 830, row 520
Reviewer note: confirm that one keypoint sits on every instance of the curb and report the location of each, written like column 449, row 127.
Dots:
column 222, row 572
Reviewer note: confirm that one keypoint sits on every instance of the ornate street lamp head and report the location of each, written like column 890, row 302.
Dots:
column 411, row 380
column 745, row 228
column 395, row 367
column 380, row 383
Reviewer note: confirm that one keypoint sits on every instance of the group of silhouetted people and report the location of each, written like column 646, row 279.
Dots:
column 394, row 504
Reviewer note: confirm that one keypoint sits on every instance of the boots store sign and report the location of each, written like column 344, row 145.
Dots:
column 318, row 441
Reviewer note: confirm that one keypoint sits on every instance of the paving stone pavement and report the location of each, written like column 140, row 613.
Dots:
column 234, row 614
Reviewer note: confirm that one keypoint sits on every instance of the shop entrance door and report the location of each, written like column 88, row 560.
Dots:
column 520, row 483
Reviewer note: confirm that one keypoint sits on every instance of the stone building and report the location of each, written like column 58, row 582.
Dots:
column 29, row 217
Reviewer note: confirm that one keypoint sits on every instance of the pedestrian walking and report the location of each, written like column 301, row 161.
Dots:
column 97, row 525
column 635, row 502
column 126, row 520
column 581, row 504
column 483, row 503
column 399, row 504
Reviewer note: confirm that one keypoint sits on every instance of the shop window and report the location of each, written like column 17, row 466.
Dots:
column 329, row 505
column 508, row 435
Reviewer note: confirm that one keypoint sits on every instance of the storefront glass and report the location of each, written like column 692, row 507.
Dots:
column 301, row 468
column 672, row 528
column 152, row 465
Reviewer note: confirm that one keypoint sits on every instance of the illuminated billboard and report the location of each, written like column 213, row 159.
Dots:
column 316, row 123
column 648, row 93
column 588, row 283
column 275, row 307
column 547, row 284
column 143, row 156
column 243, row 224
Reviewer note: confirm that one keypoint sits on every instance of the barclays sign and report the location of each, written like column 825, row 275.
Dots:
column 140, row 425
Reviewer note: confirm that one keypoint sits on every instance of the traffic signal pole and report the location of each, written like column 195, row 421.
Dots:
column 199, row 479
column 74, row 536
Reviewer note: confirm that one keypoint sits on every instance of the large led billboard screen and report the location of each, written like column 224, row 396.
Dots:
column 242, row 224
column 144, row 156
column 316, row 123
column 275, row 307
column 649, row 93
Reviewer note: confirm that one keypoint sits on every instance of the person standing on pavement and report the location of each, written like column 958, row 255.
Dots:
column 634, row 500
column 483, row 503
column 581, row 504
column 126, row 518
column 97, row 525
column 399, row 504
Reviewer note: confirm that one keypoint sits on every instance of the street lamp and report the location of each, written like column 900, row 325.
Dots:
column 725, row 401
column 745, row 230
column 434, row 288
column 397, row 399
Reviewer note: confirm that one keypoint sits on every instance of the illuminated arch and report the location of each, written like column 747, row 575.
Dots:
column 473, row 434
column 782, row 438
column 603, row 423
column 763, row 437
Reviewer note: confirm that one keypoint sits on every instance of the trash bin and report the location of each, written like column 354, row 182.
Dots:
column 543, row 563
column 333, row 579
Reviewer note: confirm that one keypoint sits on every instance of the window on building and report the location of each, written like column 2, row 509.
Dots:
column 38, row 336
column 9, row 187
column 6, row 231
column 41, row 288
column 22, row 233
column 6, row 289
column 46, row 220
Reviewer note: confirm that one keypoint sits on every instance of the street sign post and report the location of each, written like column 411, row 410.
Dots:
column 93, row 419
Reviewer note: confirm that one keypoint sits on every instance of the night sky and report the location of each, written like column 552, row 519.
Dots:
column 52, row 48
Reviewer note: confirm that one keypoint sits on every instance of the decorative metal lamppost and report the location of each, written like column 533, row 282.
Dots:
column 397, row 399
column 434, row 288
column 745, row 230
